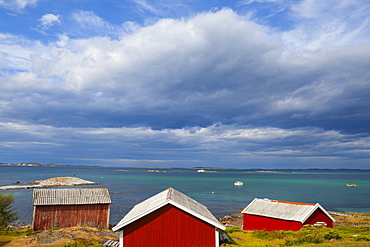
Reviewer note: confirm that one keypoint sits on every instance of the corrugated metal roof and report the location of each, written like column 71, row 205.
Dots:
column 169, row 196
column 283, row 210
column 71, row 196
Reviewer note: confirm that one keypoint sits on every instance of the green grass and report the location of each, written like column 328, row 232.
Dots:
column 311, row 236
column 7, row 236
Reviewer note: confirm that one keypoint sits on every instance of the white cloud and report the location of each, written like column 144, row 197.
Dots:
column 258, row 1
column 17, row 4
column 331, row 23
column 146, row 6
column 213, row 144
column 215, row 67
column 88, row 19
column 48, row 20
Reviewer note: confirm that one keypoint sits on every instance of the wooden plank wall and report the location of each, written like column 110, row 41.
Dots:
column 46, row 217
column 254, row 222
column 169, row 226
column 319, row 216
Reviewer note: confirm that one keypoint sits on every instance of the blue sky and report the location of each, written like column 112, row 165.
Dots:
column 241, row 84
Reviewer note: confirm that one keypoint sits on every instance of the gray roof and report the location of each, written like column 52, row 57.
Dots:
column 175, row 198
column 71, row 196
column 291, row 211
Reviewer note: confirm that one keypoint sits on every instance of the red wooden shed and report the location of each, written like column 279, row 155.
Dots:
column 270, row 215
column 168, row 219
column 70, row 207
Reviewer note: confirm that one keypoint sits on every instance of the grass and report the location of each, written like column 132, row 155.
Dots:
column 311, row 236
column 7, row 236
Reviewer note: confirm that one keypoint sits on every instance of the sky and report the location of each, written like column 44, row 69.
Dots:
column 183, row 83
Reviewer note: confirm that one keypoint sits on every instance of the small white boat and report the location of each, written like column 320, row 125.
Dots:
column 201, row 170
column 238, row 183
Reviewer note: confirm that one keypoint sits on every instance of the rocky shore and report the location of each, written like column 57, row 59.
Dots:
column 51, row 182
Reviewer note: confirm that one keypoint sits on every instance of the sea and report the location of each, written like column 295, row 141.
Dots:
column 214, row 188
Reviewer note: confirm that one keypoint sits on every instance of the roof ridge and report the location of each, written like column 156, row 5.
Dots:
column 169, row 193
column 294, row 203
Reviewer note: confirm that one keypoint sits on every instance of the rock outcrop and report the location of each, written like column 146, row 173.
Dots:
column 51, row 182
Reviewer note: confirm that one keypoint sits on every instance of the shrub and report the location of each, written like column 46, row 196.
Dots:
column 232, row 229
column 306, row 239
column 362, row 238
column 7, row 213
column 269, row 235
column 54, row 228
column 332, row 235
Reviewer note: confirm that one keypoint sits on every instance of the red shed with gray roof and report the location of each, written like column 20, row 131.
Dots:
column 169, row 218
column 270, row 215
column 70, row 207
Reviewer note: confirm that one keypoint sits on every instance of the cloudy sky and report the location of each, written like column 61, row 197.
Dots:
column 184, row 83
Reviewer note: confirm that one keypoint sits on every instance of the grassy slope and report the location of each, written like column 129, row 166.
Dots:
column 352, row 231
column 349, row 230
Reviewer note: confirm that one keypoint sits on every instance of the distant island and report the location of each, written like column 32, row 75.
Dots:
column 51, row 182
column 38, row 164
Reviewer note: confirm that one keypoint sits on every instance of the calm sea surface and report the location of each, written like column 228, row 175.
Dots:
column 133, row 185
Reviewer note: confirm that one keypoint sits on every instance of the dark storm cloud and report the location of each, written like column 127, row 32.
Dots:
column 215, row 88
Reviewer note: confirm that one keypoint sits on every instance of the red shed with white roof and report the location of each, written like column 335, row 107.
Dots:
column 270, row 215
column 169, row 218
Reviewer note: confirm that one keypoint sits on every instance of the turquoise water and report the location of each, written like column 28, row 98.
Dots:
column 327, row 187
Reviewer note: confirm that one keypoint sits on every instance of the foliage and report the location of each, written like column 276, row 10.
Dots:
column 233, row 229
column 82, row 243
column 314, row 238
column 269, row 235
column 16, row 233
column 7, row 236
column 7, row 213
column 332, row 235
column 310, row 236
column 54, row 228
column 362, row 238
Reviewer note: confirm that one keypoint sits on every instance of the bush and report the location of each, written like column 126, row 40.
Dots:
column 54, row 228
column 269, row 235
column 82, row 243
column 332, row 235
column 306, row 239
column 232, row 229
column 362, row 238
column 7, row 213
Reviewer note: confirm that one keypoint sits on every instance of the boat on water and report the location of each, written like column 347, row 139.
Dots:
column 201, row 170
column 238, row 183
column 351, row 185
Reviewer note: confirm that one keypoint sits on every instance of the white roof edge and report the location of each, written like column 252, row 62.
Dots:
column 119, row 226
column 249, row 205
column 317, row 205
column 168, row 201
column 209, row 221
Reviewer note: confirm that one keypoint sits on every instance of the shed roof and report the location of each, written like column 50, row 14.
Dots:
column 71, row 196
column 292, row 211
column 173, row 197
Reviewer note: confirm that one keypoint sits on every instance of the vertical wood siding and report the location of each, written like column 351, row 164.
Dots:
column 253, row 222
column 169, row 227
column 46, row 217
column 319, row 216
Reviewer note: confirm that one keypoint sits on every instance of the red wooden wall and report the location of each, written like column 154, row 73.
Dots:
column 253, row 222
column 319, row 216
column 169, row 227
column 46, row 217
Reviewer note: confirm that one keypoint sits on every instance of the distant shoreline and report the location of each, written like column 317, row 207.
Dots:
column 251, row 170
column 38, row 164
